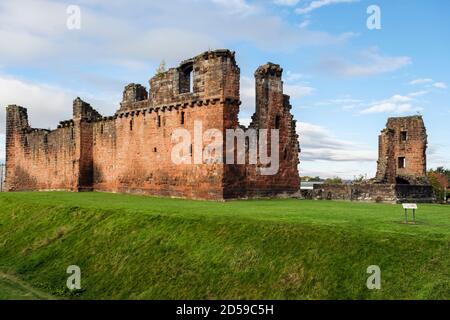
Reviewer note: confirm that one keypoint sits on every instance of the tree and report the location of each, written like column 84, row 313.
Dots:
column 162, row 68
column 440, row 184
column 443, row 171
column 335, row 180
column 359, row 179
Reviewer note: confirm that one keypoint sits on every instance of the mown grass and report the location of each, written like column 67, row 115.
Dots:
column 12, row 288
column 134, row 247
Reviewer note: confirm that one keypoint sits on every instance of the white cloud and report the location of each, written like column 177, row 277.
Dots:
column 397, row 104
column 2, row 148
column 47, row 105
column 289, row 3
column 344, row 102
column 248, row 96
column 430, row 82
column 298, row 91
column 304, row 24
column 325, row 155
column 437, row 155
column 440, row 85
column 421, row 81
column 316, row 4
column 419, row 93
column 245, row 121
column 114, row 32
column 293, row 76
column 294, row 89
column 371, row 62
column 236, row 6
column 318, row 143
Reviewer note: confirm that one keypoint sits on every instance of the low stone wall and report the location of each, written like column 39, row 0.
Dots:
column 386, row 193
column 418, row 194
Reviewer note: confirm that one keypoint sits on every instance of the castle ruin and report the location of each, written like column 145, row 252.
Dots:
column 401, row 171
column 402, row 150
column 130, row 152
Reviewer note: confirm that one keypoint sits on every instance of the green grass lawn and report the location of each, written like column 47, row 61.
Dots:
column 12, row 288
column 134, row 247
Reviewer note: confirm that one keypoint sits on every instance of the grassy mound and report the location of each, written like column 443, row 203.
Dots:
column 132, row 247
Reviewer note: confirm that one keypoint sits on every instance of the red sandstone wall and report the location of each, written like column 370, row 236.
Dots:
column 125, row 159
column 131, row 152
column 271, row 103
column 39, row 159
column 391, row 147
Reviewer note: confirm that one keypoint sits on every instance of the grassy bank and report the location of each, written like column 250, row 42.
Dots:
column 132, row 247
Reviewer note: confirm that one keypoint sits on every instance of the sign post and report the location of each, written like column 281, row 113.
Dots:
column 410, row 206
column 1, row 176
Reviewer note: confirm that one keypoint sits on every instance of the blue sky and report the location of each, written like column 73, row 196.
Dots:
column 344, row 79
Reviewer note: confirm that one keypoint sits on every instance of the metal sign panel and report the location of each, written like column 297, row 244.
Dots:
column 411, row 206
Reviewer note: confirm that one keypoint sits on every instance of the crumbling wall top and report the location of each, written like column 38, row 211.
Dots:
column 269, row 69
column 83, row 110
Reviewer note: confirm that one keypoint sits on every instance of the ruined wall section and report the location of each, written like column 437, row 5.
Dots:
column 135, row 96
column 60, row 159
column 366, row 192
column 402, row 152
column 39, row 159
column 132, row 150
column 273, row 111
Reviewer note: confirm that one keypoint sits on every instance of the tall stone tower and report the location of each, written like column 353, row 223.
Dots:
column 402, row 152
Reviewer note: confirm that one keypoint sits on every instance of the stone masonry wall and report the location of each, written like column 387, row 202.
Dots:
column 404, row 138
column 387, row 193
column 131, row 150
column 38, row 159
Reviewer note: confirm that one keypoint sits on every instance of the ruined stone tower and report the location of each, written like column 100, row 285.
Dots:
column 402, row 152
column 402, row 168
column 131, row 151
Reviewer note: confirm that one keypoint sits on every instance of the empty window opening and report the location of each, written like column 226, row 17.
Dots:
column 404, row 136
column 191, row 82
column 155, row 150
column 72, row 134
column 190, row 151
column 277, row 122
column 401, row 162
column 101, row 129
column 182, row 117
column 131, row 125
column 186, row 79
column 159, row 121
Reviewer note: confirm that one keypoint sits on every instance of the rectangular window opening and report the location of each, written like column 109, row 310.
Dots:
column 401, row 162
column 277, row 122
column 404, row 136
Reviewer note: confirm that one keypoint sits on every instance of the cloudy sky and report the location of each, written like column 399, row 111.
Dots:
column 344, row 79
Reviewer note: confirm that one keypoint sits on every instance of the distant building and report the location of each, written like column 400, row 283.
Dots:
column 402, row 152
column 402, row 168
